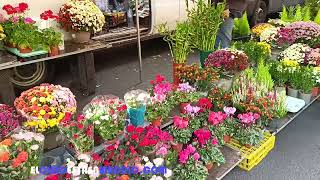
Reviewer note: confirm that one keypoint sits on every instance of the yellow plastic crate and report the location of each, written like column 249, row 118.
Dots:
column 254, row 155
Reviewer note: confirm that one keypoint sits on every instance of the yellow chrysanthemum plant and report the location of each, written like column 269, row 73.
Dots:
column 45, row 106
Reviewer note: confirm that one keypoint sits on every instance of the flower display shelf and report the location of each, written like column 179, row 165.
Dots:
column 254, row 155
column 28, row 56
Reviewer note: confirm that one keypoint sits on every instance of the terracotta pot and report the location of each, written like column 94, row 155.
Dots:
column 182, row 106
column 177, row 147
column 54, row 51
column 82, row 37
column 10, row 45
column 25, row 50
column 315, row 91
column 157, row 122
column 209, row 166
column 226, row 138
column 176, row 80
column 248, row 146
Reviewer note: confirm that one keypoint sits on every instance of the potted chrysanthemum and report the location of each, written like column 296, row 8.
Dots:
column 82, row 17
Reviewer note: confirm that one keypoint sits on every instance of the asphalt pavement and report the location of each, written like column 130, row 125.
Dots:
column 296, row 155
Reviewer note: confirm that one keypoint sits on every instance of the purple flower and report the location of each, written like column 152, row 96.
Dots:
column 229, row 110
column 185, row 87
column 28, row 20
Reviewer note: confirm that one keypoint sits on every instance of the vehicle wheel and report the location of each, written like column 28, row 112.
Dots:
column 28, row 76
column 260, row 13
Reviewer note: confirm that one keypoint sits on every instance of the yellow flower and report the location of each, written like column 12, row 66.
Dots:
column 42, row 112
column 61, row 116
column 42, row 124
column 316, row 69
column 31, row 123
column 257, row 30
column 1, row 29
column 42, row 99
column 52, row 122
column 290, row 63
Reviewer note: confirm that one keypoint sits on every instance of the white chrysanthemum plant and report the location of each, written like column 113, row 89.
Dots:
column 81, row 15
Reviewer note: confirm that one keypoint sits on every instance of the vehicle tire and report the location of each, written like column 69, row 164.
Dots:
column 28, row 76
column 260, row 13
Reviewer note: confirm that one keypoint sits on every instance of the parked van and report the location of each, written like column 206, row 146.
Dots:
column 120, row 18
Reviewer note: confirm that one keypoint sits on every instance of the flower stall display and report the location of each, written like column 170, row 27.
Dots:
column 136, row 101
column 201, row 78
column 228, row 60
column 45, row 106
column 18, row 153
column 79, row 132
column 295, row 52
column 190, row 166
column 9, row 120
column 82, row 17
column 108, row 114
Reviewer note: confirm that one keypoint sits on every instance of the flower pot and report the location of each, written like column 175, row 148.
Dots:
column 136, row 115
column 82, row 37
column 182, row 107
column 175, row 75
column 209, row 166
column 225, row 84
column 249, row 146
column 280, row 89
column 315, row 91
column 157, row 122
column 203, row 56
column 292, row 92
column 25, row 50
column 226, row 138
column 177, row 147
column 54, row 51
column 305, row 97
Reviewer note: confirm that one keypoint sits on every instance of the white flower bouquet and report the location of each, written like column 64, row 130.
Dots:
column 81, row 15
column 296, row 52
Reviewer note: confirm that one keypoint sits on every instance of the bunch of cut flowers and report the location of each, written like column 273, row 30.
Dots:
column 81, row 15
column 79, row 132
column 229, row 60
column 9, row 120
column 108, row 114
column 18, row 153
column 45, row 106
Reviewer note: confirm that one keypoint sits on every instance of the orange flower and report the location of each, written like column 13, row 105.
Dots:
column 4, row 156
column 16, row 163
column 124, row 177
column 7, row 142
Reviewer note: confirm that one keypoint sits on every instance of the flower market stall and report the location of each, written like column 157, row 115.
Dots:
column 223, row 113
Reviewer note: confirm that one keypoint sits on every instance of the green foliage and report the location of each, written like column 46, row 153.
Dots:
column 317, row 18
column 171, row 159
column 190, row 171
column 306, row 81
column 178, row 41
column 210, row 154
column 52, row 37
column 248, row 136
column 284, row 15
column 263, row 76
column 314, row 5
column 241, row 26
column 182, row 136
column 205, row 19
column 159, row 110
column 294, row 78
column 306, row 13
column 298, row 14
column 278, row 73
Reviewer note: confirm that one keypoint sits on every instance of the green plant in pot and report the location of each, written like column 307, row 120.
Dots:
column 279, row 75
column 294, row 81
column 191, row 170
column 205, row 19
column 52, row 40
column 306, row 83
column 180, row 131
column 158, row 112
column 179, row 44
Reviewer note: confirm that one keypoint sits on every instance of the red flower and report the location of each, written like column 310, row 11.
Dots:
column 68, row 176
column 139, row 129
column 16, row 163
column 96, row 157
column 52, row 177
column 106, row 163
column 23, row 6
column 135, row 137
column 110, row 148
column 132, row 150
column 75, row 136
column 22, row 156
column 152, row 82
column 80, row 126
column 67, row 117
column 80, row 118
column 90, row 131
column 205, row 103
column 122, row 108
column 131, row 128
column 160, row 78
column 9, row 9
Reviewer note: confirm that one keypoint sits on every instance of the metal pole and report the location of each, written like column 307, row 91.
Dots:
column 139, row 42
